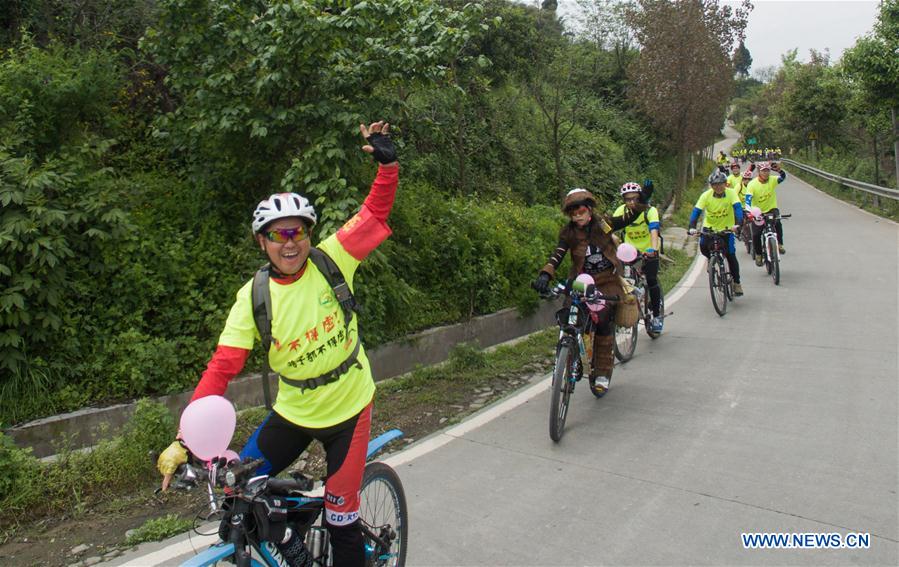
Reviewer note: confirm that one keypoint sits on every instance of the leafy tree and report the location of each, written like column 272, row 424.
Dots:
column 603, row 23
column 683, row 77
column 874, row 64
column 89, row 23
column 273, row 94
column 742, row 60
column 813, row 101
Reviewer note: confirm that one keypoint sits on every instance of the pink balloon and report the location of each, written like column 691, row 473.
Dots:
column 207, row 425
column 757, row 217
column 626, row 253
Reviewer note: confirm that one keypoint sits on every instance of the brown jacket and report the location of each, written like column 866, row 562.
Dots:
column 597, row 234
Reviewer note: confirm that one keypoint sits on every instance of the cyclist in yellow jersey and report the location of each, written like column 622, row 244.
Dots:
column 644, row 235
column 722, row 161
column 326, row 388
column 746, row 228
column 762, row 193
column 722, row 212
column 735, row 178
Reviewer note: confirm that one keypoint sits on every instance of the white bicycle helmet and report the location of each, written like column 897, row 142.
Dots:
column 631, row 187
column 280, row 206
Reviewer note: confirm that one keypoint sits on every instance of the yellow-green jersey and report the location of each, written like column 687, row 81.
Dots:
column 764, row 195
column 638, row 233
column 720, row 213
column 312, row 341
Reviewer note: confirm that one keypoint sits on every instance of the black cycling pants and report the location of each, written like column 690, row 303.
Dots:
column 757, row 233
column 731, row 256
column 651, row 271
column 280, row 442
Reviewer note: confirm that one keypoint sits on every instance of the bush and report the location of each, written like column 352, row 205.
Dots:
column 158, row 529
column 76, row 479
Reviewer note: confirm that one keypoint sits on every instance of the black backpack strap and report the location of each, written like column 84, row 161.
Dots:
column 327, row 377
column 338, row 284
column 262, row 314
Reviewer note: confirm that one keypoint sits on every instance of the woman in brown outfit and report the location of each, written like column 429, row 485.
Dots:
column 589, row 239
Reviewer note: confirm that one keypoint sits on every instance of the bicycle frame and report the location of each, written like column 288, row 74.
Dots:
column 236, row 547
column 573, row 330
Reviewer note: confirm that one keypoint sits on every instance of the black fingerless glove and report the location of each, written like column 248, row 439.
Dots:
column 385, row 151
column 541, row 284
column 646, row 193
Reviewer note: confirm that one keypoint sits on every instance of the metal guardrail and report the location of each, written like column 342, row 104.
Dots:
column 852, row 183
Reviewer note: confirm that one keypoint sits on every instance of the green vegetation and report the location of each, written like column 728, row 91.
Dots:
column 76, row 480
column 158, row 529
column 135, row 143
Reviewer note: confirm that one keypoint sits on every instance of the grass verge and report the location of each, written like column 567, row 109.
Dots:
column 158, row 529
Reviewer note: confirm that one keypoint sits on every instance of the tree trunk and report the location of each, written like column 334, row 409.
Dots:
column 874, row 198
column 681, row 185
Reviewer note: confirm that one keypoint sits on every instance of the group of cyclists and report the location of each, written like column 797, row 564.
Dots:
column 589, row 237
column 751, row 155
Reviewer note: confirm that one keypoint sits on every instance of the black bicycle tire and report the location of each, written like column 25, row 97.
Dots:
column 775, row 266
column 558, row 405
column 768, row 266
column 728, row 283
column 378, row 470
column 715, row 283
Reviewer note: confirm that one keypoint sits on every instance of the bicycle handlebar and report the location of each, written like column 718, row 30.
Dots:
column 563, row 290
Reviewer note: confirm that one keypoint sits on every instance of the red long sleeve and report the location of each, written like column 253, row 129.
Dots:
column 383, row 192
column 224, row 365
column 368, row 228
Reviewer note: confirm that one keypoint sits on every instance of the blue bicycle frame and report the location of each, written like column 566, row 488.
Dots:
column 221, row 551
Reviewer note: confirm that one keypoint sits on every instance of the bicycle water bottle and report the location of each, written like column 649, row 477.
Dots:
column 317, row 542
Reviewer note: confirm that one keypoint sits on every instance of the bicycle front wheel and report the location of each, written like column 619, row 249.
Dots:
column 561, row 391
column 625, row 342
column 775, row 261
column 717, row 281
column 384, row 515
column 769, row 258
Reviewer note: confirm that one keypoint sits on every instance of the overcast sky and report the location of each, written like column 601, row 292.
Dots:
column 777, row 26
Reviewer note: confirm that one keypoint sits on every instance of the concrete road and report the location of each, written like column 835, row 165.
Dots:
column 779, row 417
